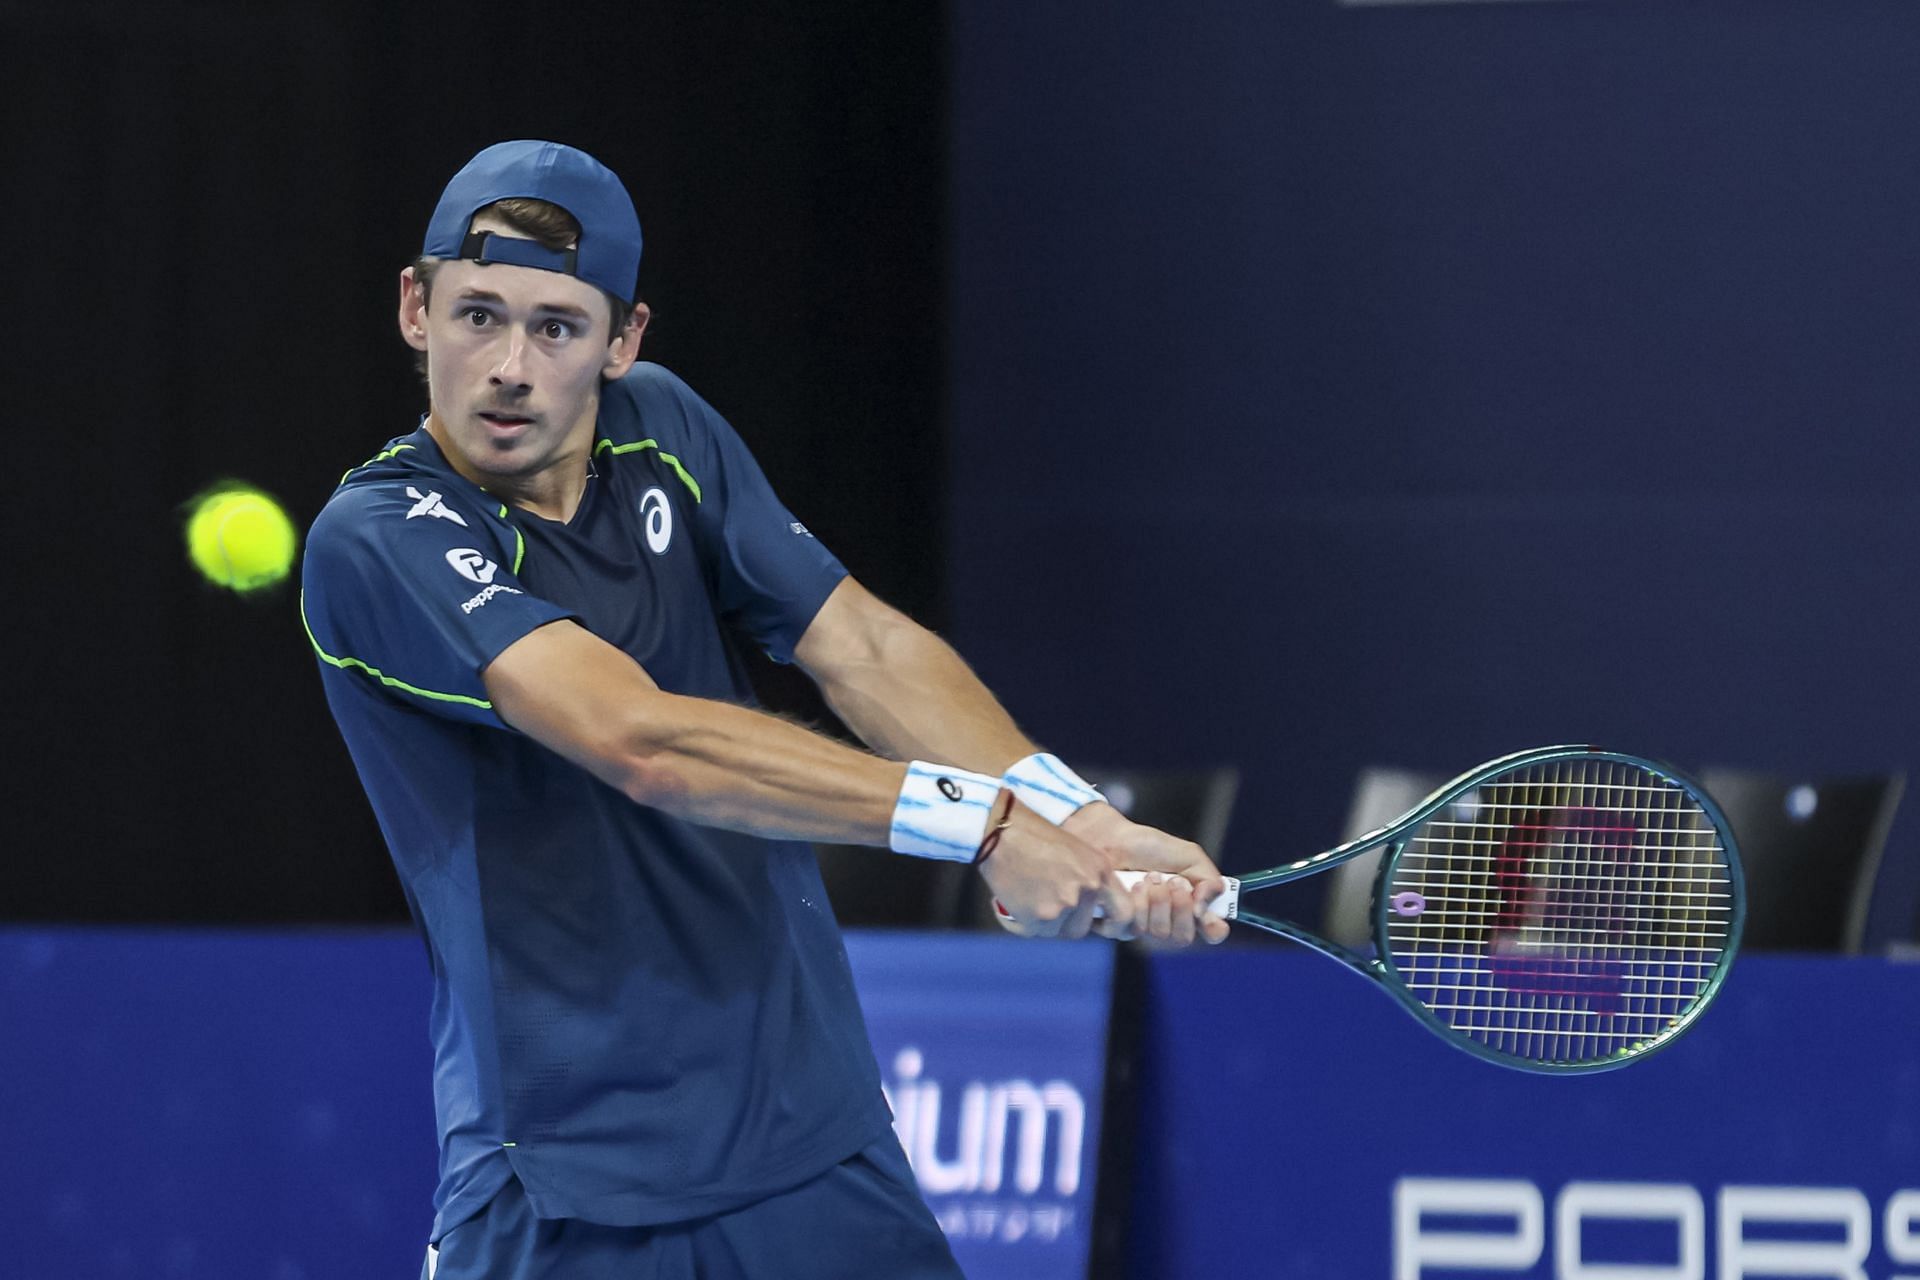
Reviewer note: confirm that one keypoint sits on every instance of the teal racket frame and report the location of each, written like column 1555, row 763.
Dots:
column 1394, row 841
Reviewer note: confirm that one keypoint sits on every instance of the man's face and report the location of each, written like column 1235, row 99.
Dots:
column 515, row 359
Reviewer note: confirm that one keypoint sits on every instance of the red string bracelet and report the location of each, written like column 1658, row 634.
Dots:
column 992, row 839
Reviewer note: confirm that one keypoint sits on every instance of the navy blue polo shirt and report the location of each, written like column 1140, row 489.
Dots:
column 643, row 1019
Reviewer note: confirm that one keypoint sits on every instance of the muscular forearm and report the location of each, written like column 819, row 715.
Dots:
column 914, row 698
column 711, row 762
column 727, row 766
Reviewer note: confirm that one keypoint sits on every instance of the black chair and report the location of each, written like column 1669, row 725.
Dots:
column 1811, row 850
column 1380, row 795
column 871, row 888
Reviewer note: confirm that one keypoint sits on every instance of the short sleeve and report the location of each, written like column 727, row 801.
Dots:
column 417, row 604
column 770, row 574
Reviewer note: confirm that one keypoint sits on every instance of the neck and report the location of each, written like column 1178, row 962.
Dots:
column 552, row 490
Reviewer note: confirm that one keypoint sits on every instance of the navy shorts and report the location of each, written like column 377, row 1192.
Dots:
column 862, row 1218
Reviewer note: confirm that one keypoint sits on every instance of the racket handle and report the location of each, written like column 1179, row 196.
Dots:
column 1226, row 906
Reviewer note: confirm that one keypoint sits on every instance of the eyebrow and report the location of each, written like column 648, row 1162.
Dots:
column 563, row 309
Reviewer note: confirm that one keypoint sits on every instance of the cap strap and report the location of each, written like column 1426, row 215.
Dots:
column 486, row 246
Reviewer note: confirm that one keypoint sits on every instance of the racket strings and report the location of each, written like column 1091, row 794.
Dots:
column 1565, row 912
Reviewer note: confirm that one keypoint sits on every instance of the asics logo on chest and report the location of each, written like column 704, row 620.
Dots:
column 657, row 518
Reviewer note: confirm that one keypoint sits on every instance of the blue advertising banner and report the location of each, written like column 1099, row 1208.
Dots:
column 993, row 1055
column 198, row 1103
column 1296, row 1123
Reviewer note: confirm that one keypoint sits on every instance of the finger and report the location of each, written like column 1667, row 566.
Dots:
column 1013, row 924
column 1200, row 869
column 1125, row 932
column 1159, row 918
column 1180, row 908
column 1207, row 886
column 1116, row 903
column 1214, row 930
column 1180, row 857
column 1035, row 925
column 1079, row 922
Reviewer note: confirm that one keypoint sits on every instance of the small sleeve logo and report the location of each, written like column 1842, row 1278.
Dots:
column 429, row 504
column 471, row 565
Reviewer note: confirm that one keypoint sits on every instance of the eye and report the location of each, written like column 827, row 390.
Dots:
column 556, row 330
column 476, row 316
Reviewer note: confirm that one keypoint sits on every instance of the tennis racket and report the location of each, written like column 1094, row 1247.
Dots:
column 1559, row 910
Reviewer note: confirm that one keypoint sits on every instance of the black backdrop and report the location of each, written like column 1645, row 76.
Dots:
column 1450, row 376
column 208, row 206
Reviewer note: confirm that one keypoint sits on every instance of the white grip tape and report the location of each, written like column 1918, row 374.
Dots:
column 1049, row 788
column 1226, row 906
column 942, row 812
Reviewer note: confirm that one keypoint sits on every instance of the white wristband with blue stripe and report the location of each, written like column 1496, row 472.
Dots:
column 1049, row 788
column 942, row 812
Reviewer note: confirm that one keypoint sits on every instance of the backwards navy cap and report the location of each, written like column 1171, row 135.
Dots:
column 608, row 252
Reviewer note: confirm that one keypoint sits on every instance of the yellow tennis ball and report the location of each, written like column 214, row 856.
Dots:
column 241, row 539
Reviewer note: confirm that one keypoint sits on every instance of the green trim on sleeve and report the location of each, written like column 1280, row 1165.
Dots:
column 355, row 664
column 378, row 457
column 692, row 484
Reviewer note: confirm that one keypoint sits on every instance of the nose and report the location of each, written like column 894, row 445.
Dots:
column 510, row 371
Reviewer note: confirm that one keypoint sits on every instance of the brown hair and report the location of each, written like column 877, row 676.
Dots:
column 546, row 224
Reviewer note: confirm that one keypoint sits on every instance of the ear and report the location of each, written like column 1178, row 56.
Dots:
column 413, row 311
column 625, row 347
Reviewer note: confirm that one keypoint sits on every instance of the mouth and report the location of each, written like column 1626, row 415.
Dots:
column 505, row 424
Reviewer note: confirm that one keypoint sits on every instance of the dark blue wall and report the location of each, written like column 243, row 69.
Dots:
column 1336, row 385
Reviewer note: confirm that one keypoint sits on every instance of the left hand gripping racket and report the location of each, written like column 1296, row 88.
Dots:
column 1558, row 910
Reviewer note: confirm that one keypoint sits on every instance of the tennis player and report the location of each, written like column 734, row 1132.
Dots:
column 649, row 1059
